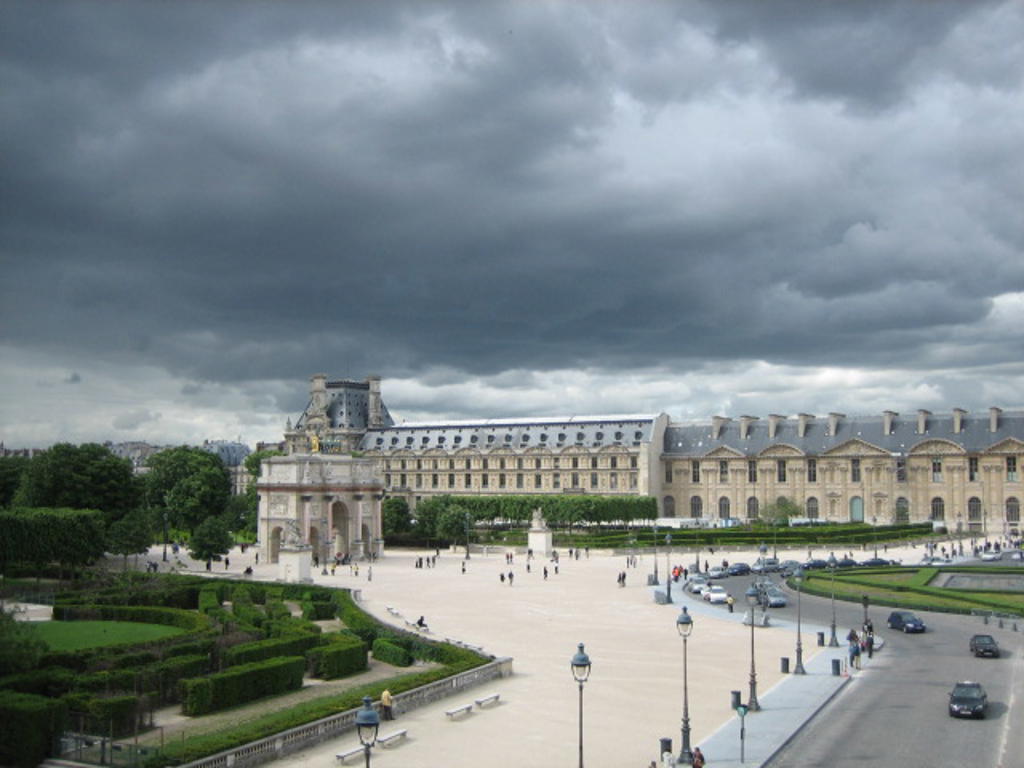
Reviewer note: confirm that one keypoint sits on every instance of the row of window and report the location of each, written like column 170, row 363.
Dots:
column 524, row 438
column 520, row 480
column 502, row 463
column 811, row 508
column 811, row 465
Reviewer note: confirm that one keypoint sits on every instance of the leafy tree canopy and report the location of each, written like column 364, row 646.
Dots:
column 188, row 484
column 780, row 511
column 253, row 461
column 396, row 518
column 131, row 535
column 85, row 476
column 20, row 647
column 210, row 540
column 11, row 470
column 452, row 523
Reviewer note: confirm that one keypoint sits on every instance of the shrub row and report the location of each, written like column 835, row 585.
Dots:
column 341, row 656
column 148, row 614
column 390, row 653
column 241, row 684
column 29, row 728
column 290, row 645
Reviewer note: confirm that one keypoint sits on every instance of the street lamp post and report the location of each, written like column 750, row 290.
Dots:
column 864, row 601
column 467, row 536
column 763, row 549
column 833, row 641
column 684, row 625
column 668, row 566
column 752, row 600
column 367, row 723
column 654, row 529
column 580, row 664
column 798, row 579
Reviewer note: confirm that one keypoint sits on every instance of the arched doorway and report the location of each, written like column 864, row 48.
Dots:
column 340, row 528
column 668, row 506
column 314, row 540
column 856, row 510
column 275, row 544
column 367, row 538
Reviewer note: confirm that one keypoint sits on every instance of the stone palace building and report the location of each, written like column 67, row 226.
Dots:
column 960, row 469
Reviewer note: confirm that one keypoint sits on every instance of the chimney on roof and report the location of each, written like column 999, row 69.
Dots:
column 888, row 417
column 773, row 424
column 833, row 423
column 717, row 422
column 375, row 417
column 805, row 419
column 993, row 418
column 745, row 422
column 958, row 420
column 922, row 420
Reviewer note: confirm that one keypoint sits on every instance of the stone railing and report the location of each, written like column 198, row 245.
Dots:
column 303, row 736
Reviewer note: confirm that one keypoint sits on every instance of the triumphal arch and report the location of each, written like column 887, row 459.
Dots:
column 327, row 503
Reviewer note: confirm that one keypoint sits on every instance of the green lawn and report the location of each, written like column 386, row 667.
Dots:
column 76, row 635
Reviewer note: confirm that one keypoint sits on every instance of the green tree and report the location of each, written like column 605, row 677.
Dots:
column 85, row 476
column 779, row 512
column 11, row 470
column 186, row 486
column 425, row 524
column 396, row 518
column 20, row 647
column 455, row 523
column 210, row 540
column 131, row 535
column 254, row 460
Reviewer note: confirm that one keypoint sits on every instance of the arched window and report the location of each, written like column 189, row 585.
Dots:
column 812, row 508
column 974, row 509
column 752, row 507
column 696, row 506
column 723, row 508
column 668, row 506
column 902, row 510
column 938, row 509
column 1012, row 510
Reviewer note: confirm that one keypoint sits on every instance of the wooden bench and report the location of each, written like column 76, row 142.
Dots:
column 483, row 701
column 464, row 709
column 391, row 738
column 343, row 756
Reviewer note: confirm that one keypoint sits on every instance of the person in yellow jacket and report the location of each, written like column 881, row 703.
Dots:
column 385, row 704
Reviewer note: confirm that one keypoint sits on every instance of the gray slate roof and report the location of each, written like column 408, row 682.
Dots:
column 695, row 439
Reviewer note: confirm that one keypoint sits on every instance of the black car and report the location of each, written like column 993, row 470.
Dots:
column 875, row 562
column 846, row 562
column 815, row 565
column 984, row 645
column 738, row 569
column 905, row 621
column 968, row 699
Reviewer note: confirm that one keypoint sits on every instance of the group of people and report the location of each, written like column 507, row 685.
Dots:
column 863, row 643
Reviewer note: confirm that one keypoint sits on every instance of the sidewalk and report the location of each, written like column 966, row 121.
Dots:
column 785, row 708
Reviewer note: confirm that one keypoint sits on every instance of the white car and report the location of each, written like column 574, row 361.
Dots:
column 991, row 556
column 716, row 572
column 715, row 594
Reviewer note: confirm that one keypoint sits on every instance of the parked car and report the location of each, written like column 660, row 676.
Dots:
column 715, row 594
column 765, row 565
column 875, row 562
column 815, row 564
column 738, row 569
column 968, row 699
column 846, row 562
column 905, row 621
column 984, row 645
column 786, row 567
column 716, row 572
column 992, row 556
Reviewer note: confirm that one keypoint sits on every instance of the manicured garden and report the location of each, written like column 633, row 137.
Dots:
column 911, row 588
column 218, row 645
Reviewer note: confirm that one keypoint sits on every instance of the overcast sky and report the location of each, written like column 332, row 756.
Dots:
column 505, row 209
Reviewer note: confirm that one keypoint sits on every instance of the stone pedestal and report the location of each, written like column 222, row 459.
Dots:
column 294, row 564
column 539, row 540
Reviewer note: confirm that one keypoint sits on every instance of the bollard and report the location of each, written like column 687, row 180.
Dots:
column 821, row 638
column 785, row 664
column 985, row 618
column 1015, row 626
column 836, row 667
column 1000, row 623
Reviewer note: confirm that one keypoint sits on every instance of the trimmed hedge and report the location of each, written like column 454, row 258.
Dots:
column 114, row 714
column 291, row 645
column 389, row 653
column 146, row 614
column 29, row 728
column 343, row 655
column 50, row 681
column 241, row 684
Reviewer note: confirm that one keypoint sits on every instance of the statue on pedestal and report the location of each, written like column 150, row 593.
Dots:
column 538, row 524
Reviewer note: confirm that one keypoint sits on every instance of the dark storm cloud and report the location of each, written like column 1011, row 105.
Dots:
column 249, row 191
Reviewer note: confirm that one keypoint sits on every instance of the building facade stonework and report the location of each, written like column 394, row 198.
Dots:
column 959, row 469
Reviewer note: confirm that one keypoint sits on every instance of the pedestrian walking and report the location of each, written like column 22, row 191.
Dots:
column 386, row 704
column 227, row 562
column 698, row 758
column 545, row 573
column 463, row 566
column 510, row 575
